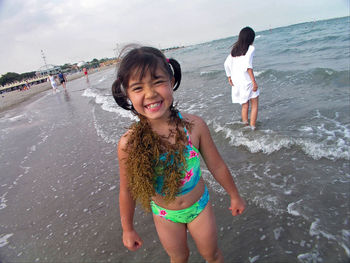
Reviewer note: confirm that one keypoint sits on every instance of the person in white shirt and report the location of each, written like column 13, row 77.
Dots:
column 53, row 82
column 239, row 70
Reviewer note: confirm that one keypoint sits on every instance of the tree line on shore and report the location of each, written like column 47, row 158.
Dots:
column 11, row 77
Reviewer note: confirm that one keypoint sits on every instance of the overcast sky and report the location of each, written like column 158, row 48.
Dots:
column 70, row 31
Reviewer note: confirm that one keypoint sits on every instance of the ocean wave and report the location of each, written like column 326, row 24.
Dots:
column 268, row 141
column 316, row 229
column 326, row 39
column 105, row 135
column 316, row 76
column 108, row 104
column 211, row 73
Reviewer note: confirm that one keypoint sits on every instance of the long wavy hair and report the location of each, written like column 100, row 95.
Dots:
column 245, row 39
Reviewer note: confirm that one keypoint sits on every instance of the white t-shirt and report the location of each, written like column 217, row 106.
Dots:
column 52, row 79
column 236, row 67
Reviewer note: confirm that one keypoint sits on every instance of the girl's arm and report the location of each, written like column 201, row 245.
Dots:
column 131, row 239
column 228, row 69
column 230, row 81
column 217, row 167
column 251, row 75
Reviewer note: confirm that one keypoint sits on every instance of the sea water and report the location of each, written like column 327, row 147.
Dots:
column 295, row 166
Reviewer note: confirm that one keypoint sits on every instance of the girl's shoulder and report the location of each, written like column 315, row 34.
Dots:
column 196, row 121
column 228, row 59
column 251, row 49
column 190, row 117
column 123, row 141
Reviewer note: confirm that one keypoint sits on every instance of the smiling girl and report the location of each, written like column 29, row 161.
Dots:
column 159, row 159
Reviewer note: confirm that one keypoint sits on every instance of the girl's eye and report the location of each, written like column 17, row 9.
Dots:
column 135, row 89
column 158, row 82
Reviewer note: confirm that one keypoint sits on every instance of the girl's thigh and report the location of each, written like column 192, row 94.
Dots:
column 173, row 237
column 203, row 231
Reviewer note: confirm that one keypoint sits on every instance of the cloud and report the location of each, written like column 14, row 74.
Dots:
column 71, row 31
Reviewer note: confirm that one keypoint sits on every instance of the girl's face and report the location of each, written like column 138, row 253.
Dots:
column 151, row 97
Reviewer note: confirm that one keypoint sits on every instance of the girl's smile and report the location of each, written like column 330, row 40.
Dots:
column 154, row 106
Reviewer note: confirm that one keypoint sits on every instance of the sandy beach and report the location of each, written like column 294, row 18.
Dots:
column 9, row 99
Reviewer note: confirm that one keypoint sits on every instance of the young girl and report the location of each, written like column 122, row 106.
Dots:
column 159, row 159
column 239, row 70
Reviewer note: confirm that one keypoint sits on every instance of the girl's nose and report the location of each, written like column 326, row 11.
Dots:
column 150, row 92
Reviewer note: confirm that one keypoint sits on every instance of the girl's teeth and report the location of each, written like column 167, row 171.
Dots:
column 153, row 105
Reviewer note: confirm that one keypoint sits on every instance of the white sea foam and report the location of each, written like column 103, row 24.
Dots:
column 313, row 256
column 102, row 79
column 204, row 73
column 213, row 184
column 9, row 118
column 112, row 187
column 268, row 202
column 89, row 93
column 217, row 96
column 268, row 141
column 317, row 230
column 108, row 104
column 16, row 118
column 293, row 208
column 3, row 201
column 33, row 148
column 253, row 259
column 4, row 239
column 257, row 73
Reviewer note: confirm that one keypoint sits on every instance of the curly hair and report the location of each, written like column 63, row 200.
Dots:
column 144, row 148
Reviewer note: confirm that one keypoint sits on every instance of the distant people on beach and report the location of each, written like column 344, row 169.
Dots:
column 62, row 79
column 27, row 85
column 86, row 74
column 52, row 79
column 239, row 70
column 159, row 159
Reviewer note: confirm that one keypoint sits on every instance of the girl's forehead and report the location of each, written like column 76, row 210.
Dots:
column 139, row 73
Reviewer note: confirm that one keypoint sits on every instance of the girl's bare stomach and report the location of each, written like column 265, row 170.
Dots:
column 182, row 201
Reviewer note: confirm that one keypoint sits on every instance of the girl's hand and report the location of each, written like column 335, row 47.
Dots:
column 237, row 206
column 132, row 240
column 230, row 81
column 255, row 86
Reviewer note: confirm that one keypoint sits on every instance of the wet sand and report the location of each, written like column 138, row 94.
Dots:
column 58, row 184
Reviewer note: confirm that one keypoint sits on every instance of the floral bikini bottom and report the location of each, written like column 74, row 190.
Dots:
column 184, row 215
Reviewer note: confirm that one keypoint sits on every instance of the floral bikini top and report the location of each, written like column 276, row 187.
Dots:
column 190, row 177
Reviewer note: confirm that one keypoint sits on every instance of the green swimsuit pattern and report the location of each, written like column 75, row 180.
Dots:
column 189, row 181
